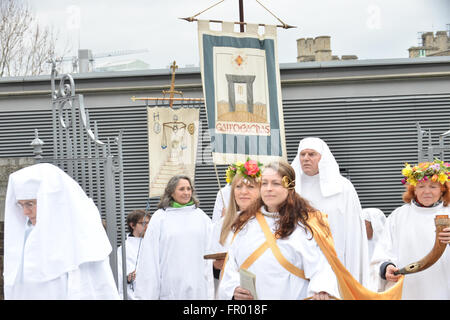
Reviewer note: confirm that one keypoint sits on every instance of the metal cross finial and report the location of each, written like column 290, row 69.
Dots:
column 172, row 90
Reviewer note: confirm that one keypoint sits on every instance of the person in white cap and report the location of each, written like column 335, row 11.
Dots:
column 318, row 180
column 55, row 243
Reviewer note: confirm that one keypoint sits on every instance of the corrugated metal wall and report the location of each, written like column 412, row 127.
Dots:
column 370, row 137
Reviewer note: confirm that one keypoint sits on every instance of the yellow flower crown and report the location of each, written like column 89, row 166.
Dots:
column 251, row 168
column 424, row 171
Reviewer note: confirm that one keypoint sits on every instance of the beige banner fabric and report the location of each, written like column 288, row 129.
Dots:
column 242, row 91
column 172, row 145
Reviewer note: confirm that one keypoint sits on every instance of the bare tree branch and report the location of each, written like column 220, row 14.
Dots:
column 25, row 45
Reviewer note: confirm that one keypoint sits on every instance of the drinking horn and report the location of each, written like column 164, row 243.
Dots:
column 441, row 222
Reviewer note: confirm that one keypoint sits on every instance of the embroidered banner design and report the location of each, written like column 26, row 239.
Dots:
column 241, row 86
column 172, row 145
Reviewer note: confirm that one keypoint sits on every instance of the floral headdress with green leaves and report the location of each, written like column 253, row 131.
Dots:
column 424, row 171
column 251, row 168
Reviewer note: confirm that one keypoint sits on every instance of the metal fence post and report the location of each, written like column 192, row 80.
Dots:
column 110, row 205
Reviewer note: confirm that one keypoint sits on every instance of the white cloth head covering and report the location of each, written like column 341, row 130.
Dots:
column 376, row 218
column 68, row 230
column 329, row 173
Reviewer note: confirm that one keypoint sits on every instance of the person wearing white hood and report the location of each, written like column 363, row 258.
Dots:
column 319, row 181
column 55, row 244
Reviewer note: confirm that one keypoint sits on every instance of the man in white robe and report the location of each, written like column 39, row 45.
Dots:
column 55, row 243
column 318, row 180
column 171, row 264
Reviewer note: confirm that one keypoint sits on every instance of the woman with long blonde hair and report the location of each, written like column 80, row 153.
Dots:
column 245, row 183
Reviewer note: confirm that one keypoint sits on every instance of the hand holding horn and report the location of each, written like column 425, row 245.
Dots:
column 442, row 223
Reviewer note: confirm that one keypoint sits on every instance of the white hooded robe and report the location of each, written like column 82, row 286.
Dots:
column 331, row 193
column 65, row 254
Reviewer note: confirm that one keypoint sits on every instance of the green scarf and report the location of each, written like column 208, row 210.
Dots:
column 175, row 204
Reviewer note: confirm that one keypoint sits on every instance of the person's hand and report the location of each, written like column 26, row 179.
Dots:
column 131, row 276
column 390, row 276
column 242, row 294
column 444, row 236
column 322, row 295
column 218, row 264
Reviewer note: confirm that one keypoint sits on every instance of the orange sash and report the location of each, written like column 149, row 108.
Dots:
column 269, row 243
column 349, row 287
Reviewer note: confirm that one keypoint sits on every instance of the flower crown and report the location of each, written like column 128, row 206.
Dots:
column 424, row 171
column 251, row 168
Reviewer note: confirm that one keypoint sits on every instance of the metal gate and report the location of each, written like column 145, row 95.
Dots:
column 97, row 166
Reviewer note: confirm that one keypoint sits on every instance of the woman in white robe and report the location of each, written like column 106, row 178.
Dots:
column 137, row 222
column 289, row 223
column 334, row 195
column 171, row 264
column 55, row 243
column 409, row 235
column 244, row 190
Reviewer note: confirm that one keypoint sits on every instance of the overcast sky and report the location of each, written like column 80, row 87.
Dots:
column 370, row 29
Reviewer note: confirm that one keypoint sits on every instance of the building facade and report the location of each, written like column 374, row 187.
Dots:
column 318, row 49
column 432, row 45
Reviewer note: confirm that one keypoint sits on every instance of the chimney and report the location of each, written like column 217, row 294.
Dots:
column 85, row 60
column 441, row 40
column 427, row 39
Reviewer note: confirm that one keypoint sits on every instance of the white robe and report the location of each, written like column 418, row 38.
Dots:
column 273, row 281
column 215, row 246
column 132, row 247
column 377, row 220
column 408, row 236
column 347, row 227
column 334, row 195
column 90, row 281
column 171, row 264
column 65, row 254
column 222, row 197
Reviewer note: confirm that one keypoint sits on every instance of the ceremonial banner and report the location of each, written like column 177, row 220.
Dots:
column 241, row 86
column 172, row 145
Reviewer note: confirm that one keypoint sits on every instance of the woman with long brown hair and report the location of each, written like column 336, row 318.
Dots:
column 171, row 264
column 274, row 241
